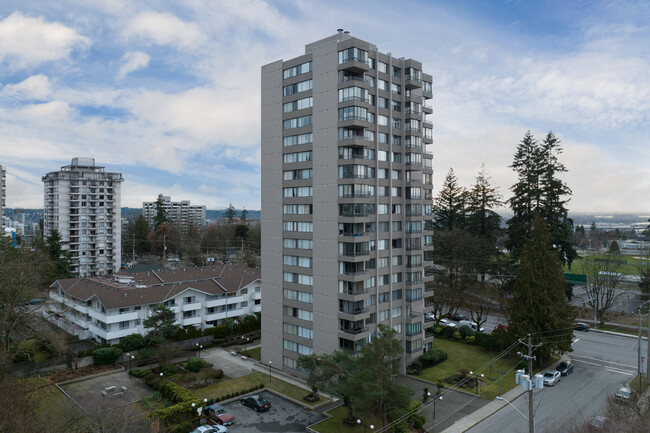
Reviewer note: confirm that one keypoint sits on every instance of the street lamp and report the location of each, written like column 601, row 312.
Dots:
column 245, row 342
column 130, row 361
column 520, row 413
column 434, row 405
column 365, row 426
column 199, row 347
column 269, row 371
column 478, row 380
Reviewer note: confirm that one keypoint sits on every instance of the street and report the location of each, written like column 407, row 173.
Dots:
column 603, row 363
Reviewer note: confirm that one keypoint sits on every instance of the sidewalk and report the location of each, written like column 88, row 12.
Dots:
column 479, row 415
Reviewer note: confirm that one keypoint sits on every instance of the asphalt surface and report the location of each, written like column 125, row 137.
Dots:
column 284, row 416
column 603, row 363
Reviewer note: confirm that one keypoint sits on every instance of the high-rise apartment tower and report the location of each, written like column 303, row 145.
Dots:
column 3, row 198
column 82, row 202
column 180, row 213
column 346, row 200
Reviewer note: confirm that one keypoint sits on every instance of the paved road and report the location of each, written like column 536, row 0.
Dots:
column 603, row 363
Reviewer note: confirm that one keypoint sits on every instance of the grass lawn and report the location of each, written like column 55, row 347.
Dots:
column 39, row 355
column 245, row 382
column 255, row 353
column 336, row 425
column 473, row 357
column 630, row 267
column 634, row 384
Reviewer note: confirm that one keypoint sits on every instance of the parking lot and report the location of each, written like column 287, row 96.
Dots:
column 284, row 416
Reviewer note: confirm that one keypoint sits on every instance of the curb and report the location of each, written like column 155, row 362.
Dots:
column 620, row 334
column 493, row 412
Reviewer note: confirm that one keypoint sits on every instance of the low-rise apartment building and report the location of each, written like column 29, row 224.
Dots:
column 107, row 309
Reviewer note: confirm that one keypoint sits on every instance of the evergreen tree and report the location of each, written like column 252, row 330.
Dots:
column 243, row 215
column 60, row 257
column 230, row 213
column 539, row 192
column 161, row 216
column 449, row 207
column 538, row 305
column 141, row 232
column 162, row 323
column 644, row 282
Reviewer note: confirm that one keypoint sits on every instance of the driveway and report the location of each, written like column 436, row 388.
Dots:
column 233, row 366
column 284, row 416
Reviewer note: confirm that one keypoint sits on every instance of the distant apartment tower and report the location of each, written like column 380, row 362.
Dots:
column 82, row 202
column 181, row 214
column 3, row 195
column 346, row 200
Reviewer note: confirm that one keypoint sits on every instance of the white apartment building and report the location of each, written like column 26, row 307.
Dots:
column 106, row 309
column 180, row 213
column 82, row 202
column 347, row 183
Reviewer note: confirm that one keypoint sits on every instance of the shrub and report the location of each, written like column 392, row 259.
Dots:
column 138, row 373
column 457, row 335
column 194, row 364
column 416, row 365
column 175, row 392
column 433, row 357
column 470, row 339
column 23, row 356
column 465, row 331
column 132, row 342
column 106, row 355
column 185, row 427
column 170, row 370
column 218, row 331
column 464, row 371
column 486, row 341
column 143, row 354
column 437, row 329
column 447, row 332
column 418, row 420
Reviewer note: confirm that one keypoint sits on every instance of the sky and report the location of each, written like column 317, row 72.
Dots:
column 168, row 93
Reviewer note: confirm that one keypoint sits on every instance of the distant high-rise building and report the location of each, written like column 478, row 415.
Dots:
column 82, row 202
column 346, row 200
column 181, row 214
column 3, row 195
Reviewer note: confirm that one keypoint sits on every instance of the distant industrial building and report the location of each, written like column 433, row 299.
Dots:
column 82, row 202
column 182, row 214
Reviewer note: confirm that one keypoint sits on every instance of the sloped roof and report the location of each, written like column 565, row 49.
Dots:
column 154, row 287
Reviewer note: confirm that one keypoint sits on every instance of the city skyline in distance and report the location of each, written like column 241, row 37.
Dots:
column 169, row 96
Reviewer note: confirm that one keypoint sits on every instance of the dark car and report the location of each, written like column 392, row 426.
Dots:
column 457, row 316
column 565, row 368
column 581, row 327
column 256, row 402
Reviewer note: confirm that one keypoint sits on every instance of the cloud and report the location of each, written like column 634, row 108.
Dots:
column 54, row 110
column 164, row 29
column 35, row 87
column 134, row 60
column 26, row 41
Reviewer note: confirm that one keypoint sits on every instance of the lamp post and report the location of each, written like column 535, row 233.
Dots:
column 269, row 371
column 199, row 347
column 365, row 426
column 245, row 342
column 525, row 417
column 161, row 374
column 478, row 380
column 434, row 406
column 130, row 361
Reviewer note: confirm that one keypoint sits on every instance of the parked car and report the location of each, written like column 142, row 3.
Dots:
column 447, row 322
column 219, row 414
column 581, row 327
column 429, row 317
column 471, row 324
column 210, row 429
column 623, row 393
column 256, row 402
column 457, row 316
column 551, row 377
column 565, row 368
column 598, row 423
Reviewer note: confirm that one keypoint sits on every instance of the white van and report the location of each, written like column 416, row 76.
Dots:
column 471, row 325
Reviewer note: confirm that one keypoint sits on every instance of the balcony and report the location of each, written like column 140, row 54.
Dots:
column 190, row 321
column 191, row 307
column 356, row 65
column 354, row 331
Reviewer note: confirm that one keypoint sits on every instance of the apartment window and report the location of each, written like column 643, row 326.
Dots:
column 297, row 87
column 296, row 295
column 396, row 277
column 396, row 174
column 302, row 262
column 383, row 244
column 398, row 328
column 397, row 106
column 294, row 140
column 297, row 70
column 169, row 303
column 396, row 88
column 299, row 313
column 353, row 113
column 297, row 209
column 383, row 227
column 300, row 244
column 353, row 55
column 292, row 277
column 397, row 157
column 396, row 312
column 297, row 157
column 298, row 174
column 382, row 67
column 413, row 192
column 353, row 94
column 383, row 315
column 396, row 295
column 300, row 104
column 427, row 87
column 382, row 209
column 382, row 138
column 190, row 314
column 124, row 325
column 396, row 260
column 397, row 123
column 397, row 140
column 297, row 347
column 397, row 72
column 300, row 331
column 397, row 209
column 356, row 191
column 412, row 125
column 302, row 191
column 297, row 122
column 189, row 299
column 382, row 85
column 298, row 226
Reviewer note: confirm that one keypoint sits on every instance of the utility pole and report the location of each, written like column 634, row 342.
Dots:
column 164, row 248
column 133, row 255
column 647, row 358
column 639, row 358
column 531, row 410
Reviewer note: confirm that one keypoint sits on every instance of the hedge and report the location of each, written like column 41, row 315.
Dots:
column 106, row 355
column 433, row 357
column 175, row 392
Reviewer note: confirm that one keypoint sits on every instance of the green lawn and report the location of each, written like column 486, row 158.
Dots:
column 255, row 353
column 631, row 267
column 336, row 425
column 473, row 357
column 245, row 382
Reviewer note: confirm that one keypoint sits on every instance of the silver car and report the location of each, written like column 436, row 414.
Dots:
column 551, row 377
